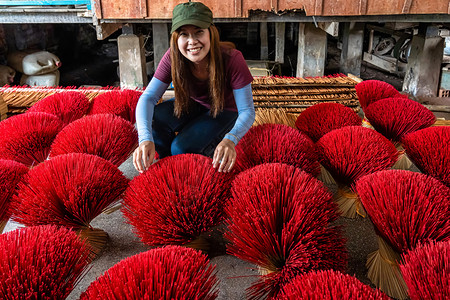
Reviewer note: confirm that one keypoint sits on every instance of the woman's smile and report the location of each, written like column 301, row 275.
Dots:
column 195, row 50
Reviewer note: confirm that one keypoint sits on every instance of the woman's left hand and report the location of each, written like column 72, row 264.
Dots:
column 224, row 156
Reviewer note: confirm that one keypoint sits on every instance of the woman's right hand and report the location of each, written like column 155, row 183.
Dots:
column 143, row 156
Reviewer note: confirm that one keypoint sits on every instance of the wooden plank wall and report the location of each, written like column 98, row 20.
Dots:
column 162, row 9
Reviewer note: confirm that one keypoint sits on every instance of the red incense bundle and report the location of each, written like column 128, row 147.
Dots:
column 429, row 150
column 177, row 201
column 276, row 143
column 319, row 119
column 407, row 209
column 68, row 106
column 105, row 135
column 27, row 138
column 329, row 285
column 121, row 103
column 11, row 173
column 426, row 271
column 42, row 262
column 348, row 154
column 69, row 190
column 396, row 117
column 171, row 272
column 279, row 219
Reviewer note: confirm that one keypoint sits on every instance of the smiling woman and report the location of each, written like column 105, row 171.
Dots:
column 213, row 104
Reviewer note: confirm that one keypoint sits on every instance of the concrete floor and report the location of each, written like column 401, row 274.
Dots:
column 235, row 275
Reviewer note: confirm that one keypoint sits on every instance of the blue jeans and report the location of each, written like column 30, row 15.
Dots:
column 198, row 132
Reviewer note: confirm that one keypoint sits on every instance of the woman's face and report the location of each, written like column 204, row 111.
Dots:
column 194, row 43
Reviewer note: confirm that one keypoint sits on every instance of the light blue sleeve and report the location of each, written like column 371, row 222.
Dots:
column 145, row 108
column 246, row 113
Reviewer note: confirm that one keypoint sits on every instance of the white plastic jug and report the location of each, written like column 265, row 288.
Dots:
column 35, row 63
column 49, row 79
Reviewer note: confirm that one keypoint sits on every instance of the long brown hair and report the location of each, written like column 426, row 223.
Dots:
column 181, row 73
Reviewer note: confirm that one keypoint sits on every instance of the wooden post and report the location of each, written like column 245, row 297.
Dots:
column 424, row 64
column 160, row 41
column 280, row 29
column 252, row 33
column 131, row 59
column 312, row 47
column 352, row 48
column 263, row 35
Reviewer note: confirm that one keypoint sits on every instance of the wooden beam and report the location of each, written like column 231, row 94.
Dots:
column 387, row 65
column 160, row 41
column 252, row 34
column 424, row 66
column 301, row 49
column 312, row 46
column 332, row 28
column 132, row 61
column 263, row 35
column 280, row 29
column 352, row 48
column 106, row 29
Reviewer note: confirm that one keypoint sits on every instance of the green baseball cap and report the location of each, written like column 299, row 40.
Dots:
column 191, row 13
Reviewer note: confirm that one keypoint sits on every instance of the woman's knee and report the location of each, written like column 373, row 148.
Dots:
column 182, row 147
column 163, row 112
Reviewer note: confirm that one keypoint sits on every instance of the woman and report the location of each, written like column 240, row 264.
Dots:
column 213, row 105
